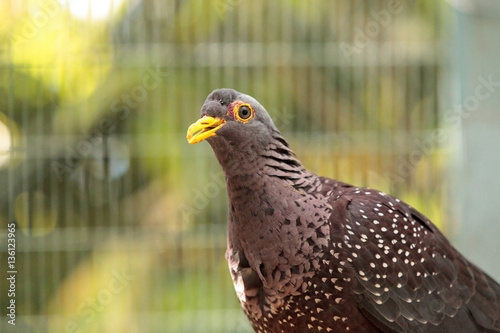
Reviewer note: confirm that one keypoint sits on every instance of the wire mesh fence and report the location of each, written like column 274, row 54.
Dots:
column 120, row 224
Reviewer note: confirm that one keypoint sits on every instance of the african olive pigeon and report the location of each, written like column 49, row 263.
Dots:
column 311, row 254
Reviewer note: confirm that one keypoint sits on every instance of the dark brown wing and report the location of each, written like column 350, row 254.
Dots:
column 410, row 278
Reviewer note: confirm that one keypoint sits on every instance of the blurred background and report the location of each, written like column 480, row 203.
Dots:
column 120, row 223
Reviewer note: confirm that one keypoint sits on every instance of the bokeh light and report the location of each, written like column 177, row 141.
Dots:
column 5, row 144
column 93, row 9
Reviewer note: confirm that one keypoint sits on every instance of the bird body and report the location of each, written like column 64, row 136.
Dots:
column 311, row 254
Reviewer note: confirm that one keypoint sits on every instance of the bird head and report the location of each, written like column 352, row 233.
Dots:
column 232, row 119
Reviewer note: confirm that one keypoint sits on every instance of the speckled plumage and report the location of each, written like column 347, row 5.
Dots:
column 311, row 254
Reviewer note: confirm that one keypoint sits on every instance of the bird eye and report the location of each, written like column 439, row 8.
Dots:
column 240, row 111
column 244, row 112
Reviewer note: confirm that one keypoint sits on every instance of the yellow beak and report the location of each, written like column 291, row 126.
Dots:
column 204, row 128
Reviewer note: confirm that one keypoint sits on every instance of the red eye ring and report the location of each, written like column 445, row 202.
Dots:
column 241, row 111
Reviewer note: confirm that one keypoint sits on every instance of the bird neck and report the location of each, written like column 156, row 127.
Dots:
column 271, row 196
column 248, row 167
